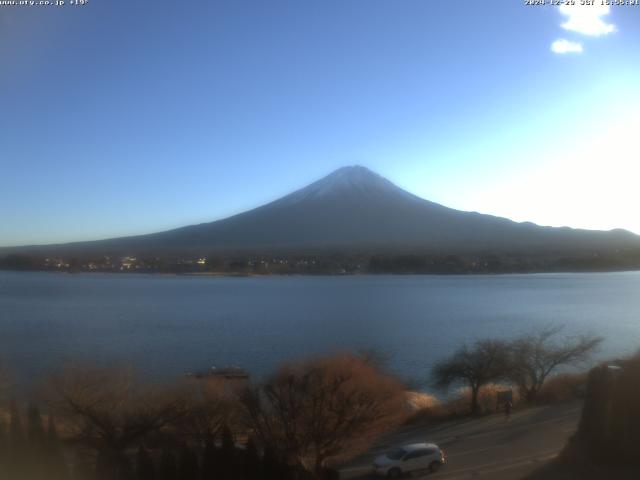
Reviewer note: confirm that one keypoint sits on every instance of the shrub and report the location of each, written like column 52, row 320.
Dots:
column 325, row 410
column 562, row 388
column 424, row 408
column 487, row 399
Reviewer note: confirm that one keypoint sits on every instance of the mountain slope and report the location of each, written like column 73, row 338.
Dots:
column 354, row 208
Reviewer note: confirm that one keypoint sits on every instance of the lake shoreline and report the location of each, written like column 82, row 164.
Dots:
column 337, row 275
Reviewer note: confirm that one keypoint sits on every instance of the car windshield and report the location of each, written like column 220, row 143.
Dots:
column 397, row 454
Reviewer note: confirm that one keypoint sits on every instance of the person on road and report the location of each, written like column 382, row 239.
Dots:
column 508, row 405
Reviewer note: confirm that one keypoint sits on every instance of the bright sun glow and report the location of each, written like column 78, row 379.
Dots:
column 592, row 184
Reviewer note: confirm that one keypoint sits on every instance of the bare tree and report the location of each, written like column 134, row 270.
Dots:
column 486, row 361
column 214, row 405
column 535, row 356
column 109, row 411
column 324, row 410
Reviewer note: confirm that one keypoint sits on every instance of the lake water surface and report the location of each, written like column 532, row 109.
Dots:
column 169, row 325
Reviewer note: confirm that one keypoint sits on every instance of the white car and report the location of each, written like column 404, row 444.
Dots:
column 417, row 456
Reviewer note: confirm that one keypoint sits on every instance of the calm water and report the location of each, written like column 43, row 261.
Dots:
column 168, row 325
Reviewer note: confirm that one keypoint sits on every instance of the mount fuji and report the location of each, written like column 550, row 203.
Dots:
column 355, row 209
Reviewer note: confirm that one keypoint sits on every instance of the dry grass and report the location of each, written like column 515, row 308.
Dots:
column 417, row 401
column 562, row 388
column 487, row 399
column 427, row 408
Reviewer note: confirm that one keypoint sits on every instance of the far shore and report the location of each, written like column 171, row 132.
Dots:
column 322, row 274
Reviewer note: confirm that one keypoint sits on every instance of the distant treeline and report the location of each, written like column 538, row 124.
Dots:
column 332, row 264
column 496, row 263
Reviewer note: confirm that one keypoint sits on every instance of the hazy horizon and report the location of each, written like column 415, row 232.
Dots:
column 324, row 179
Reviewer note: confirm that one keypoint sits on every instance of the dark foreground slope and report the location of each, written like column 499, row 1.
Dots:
column 607, row 442
column 355, row 209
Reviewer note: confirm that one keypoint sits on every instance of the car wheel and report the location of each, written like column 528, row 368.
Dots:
column 434, row 467
column 394, row 473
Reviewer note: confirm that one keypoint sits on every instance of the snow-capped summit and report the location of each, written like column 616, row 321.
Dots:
column 346, row 181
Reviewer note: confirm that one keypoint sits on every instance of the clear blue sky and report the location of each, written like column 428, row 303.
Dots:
column 124, row 117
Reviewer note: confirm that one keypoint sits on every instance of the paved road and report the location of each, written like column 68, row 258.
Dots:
column 489, row 447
